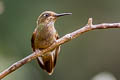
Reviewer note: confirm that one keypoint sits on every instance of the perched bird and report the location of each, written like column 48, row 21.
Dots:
column 44, row 36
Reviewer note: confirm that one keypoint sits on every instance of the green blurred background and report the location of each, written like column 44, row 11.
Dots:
column 83, row 58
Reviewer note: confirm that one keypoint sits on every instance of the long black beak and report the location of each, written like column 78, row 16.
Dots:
column 62, row 14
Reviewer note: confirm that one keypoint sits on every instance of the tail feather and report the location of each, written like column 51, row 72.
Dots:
column 48, row 61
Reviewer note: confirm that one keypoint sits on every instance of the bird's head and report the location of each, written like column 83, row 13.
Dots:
column 49, row 17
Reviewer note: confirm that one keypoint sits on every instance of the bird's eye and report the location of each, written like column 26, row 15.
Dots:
column 46, row 15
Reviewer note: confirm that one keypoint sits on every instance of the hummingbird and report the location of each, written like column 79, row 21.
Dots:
column 44, row 36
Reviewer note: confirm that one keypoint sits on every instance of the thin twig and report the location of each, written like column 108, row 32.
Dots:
column 60, row 41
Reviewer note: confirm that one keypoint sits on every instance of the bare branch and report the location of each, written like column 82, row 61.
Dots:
column 60, row 41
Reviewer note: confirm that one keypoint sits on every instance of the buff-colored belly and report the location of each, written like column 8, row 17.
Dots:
column 44, row 43
column 45, row 38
